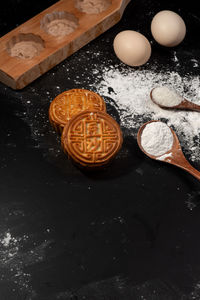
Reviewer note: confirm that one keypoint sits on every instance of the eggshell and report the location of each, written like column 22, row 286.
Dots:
column 168, row 28
column 132, row 48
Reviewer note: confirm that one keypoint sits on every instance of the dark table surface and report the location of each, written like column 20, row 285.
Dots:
column 116, row 234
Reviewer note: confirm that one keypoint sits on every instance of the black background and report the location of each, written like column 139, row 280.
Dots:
column 123, row 233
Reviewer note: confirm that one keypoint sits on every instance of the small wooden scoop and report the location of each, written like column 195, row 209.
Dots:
column 184, row 104
column 174, row 156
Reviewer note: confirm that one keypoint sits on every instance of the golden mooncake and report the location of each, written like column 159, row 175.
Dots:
column 91, row 139
column 72, row 102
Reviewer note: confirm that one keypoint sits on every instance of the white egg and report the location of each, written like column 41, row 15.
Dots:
column 132, row 48
column 168, row 28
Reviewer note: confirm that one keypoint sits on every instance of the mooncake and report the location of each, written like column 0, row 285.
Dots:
column 72, row 102
column 91, row 139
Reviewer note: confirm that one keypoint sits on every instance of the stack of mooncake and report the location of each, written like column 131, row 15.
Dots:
column 89, row 136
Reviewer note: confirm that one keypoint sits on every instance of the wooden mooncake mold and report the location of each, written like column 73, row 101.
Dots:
column 72, row 102
column 57, row 32
column 92, row 139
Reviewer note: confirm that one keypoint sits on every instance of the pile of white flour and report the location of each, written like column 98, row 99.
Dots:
column 157, row 138
column 130, row 89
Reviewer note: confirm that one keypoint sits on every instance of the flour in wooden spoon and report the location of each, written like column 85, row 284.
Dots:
column 130, row 89
column 164, row 96
column 157, row 138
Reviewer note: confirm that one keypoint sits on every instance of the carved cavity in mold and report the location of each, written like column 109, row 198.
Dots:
column 25, row 45
column 92, row 6
column 59, row 23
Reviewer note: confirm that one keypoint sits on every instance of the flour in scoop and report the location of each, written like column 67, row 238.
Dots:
column 156, row 138
column 166, row 97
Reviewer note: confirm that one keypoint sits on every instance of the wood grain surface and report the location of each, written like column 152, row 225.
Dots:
column 18, row 73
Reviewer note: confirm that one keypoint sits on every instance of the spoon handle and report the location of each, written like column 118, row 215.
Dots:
column 193, row 171
column 191, row 106
column 185, row 165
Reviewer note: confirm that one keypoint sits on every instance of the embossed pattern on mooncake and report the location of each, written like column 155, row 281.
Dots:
column 92, row 138
column 72, row 102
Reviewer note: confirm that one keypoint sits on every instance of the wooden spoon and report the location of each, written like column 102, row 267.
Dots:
column 184, row 104
column 174, row 156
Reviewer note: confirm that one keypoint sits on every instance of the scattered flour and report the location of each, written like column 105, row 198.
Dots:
column 165, row 156
column 156, row 138
column 26, row 49
column 14, row 260
column 175, row 58
column 92, row 6
column 6, row 240
column 130, row 89
column 61, row 27
column 195, row 62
